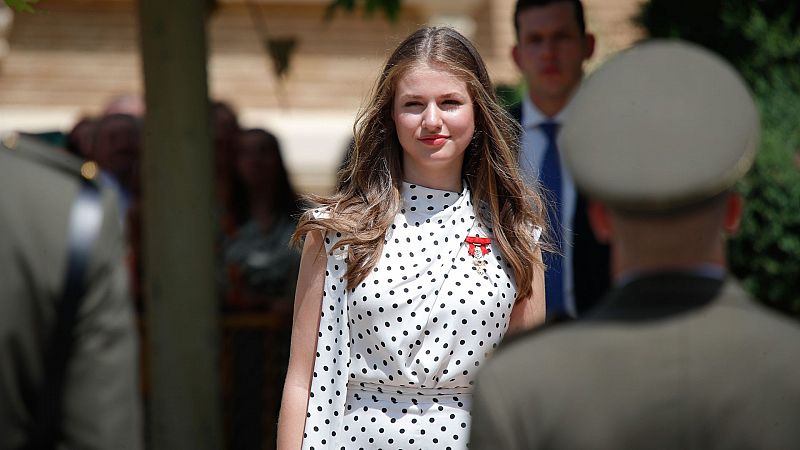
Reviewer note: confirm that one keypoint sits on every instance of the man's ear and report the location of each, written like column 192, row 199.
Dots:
column 600, row 222
column 589, row 44
column 734, row 206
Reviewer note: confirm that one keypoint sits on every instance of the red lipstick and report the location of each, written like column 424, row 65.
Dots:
column 434, row 139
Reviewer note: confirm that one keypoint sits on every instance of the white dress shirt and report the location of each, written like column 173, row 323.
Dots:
column 534, row 144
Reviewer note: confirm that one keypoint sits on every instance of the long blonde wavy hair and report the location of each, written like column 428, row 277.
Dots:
column 368, row 197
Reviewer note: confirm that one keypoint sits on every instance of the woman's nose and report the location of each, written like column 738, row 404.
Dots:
column 432, row 117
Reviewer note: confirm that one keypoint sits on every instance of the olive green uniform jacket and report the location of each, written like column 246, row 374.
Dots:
column 670, row 361
column 101, row 402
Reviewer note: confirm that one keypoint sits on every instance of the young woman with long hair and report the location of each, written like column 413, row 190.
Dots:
column 420, row 263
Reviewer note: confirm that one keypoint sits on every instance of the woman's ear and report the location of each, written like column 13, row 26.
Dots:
column 599, row 220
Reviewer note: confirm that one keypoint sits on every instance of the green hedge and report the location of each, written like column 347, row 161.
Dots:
column 766, row 252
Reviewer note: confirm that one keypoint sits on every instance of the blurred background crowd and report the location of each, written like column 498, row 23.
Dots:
column 257, row 208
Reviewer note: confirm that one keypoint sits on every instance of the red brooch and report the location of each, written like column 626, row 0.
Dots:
column 478, row 246
column 478, row 243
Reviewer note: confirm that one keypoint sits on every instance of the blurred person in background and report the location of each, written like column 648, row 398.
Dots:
column 80, row 138
column 677, row 355
column 68, row 345
column 259, row 250
column 130, row 104
column 116, row 148
column 228, row 187
column 262, row 273
column 551, row 49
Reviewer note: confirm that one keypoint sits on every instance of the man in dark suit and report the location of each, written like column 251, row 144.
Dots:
column 677, row 355
column 68, row 344
column 552, row 46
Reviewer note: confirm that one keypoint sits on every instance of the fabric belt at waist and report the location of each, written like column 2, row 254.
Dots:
column 407, row 390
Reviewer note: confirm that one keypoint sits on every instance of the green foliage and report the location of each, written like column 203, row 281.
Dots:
column 762, row 39
column 700, row 21
column 508, row 94
column 729, row 27
column 390, row 8
column 766, row 252
column 22, row 5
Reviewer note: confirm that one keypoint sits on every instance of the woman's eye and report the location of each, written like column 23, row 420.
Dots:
column 410, row 104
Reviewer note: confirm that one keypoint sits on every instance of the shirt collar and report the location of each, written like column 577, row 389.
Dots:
column 532, row 117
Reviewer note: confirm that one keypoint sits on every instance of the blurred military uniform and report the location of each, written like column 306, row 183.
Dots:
column 677, row 355
column 100, row 395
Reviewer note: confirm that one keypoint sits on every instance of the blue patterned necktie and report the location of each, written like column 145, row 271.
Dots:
column 550, row 175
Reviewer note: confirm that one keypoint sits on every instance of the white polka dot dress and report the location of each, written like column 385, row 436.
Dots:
column 397, row 355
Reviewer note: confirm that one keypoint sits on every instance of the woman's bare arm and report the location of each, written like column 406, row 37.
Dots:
column 305, row 327
column 530, row 312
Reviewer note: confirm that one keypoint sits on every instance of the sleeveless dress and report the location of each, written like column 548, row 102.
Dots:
column 398, row 354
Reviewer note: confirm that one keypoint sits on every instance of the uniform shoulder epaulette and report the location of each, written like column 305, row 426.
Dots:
column 46, row 155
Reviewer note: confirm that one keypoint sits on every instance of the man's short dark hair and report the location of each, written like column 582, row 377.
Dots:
column 525, row 4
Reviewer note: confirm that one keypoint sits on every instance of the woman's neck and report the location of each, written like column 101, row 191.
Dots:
column 445, row 180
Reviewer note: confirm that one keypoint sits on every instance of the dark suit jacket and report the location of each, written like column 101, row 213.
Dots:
column 590, row 258
column 667, row 362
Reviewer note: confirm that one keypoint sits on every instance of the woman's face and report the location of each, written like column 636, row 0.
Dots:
column 435, row 121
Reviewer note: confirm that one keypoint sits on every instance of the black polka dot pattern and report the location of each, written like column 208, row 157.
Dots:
column 397, row 355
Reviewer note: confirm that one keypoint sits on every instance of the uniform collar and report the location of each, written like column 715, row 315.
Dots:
column 713, row 271
column 659, row 295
